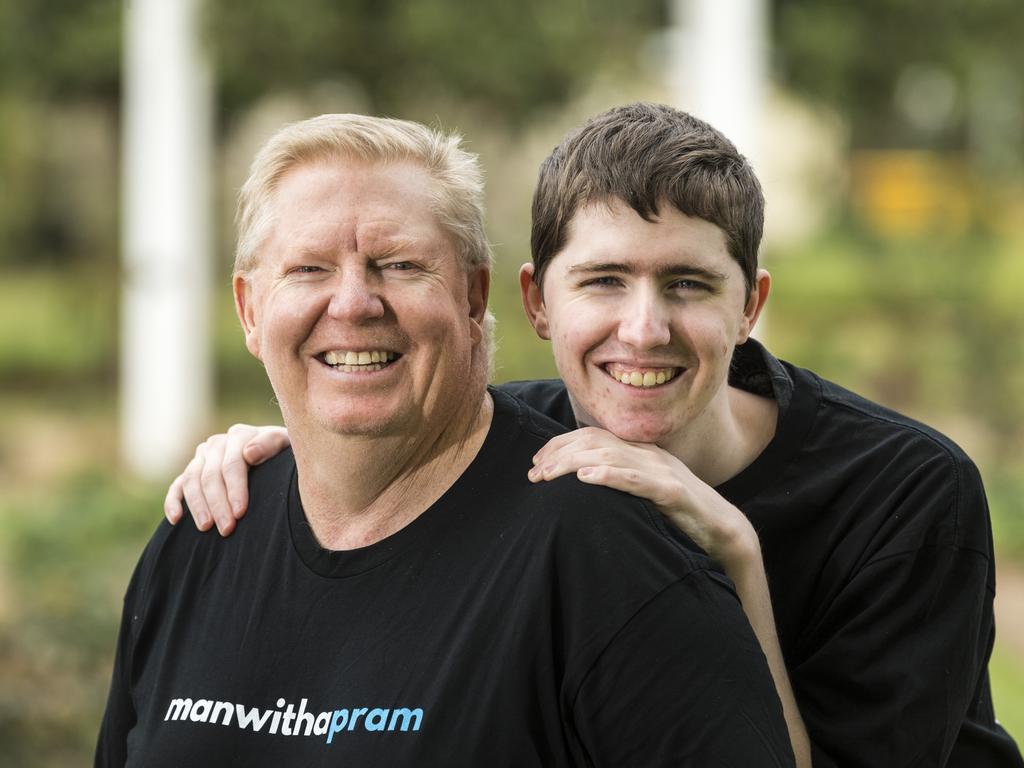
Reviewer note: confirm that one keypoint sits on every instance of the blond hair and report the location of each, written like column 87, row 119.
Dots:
column 457, row 196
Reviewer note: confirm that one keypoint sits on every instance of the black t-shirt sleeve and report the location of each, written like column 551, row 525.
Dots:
column 898, row 651
column 646, row 702
column 119, row 716
column 893, row 682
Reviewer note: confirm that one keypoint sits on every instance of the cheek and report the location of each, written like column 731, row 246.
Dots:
column 576, row 330
column 286, row 320
column 569, row 350
column 713, row 335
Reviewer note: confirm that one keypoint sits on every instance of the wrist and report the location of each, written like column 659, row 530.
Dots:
column 738, row 547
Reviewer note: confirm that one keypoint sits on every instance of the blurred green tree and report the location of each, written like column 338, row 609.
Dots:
column 887, row 66
column 510, row 58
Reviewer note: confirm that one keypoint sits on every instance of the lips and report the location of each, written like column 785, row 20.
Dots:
column 643, row 377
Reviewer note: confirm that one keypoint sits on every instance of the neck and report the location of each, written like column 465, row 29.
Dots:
column 727, row 437
column 357, row 490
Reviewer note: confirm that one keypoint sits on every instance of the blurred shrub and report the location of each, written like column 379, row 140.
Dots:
column 511, row 59
column 67, row 555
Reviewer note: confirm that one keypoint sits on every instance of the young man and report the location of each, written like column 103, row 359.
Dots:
column 378, row 608
column 873, row 528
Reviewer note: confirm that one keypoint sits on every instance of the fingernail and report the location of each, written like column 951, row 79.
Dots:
column 585, row 472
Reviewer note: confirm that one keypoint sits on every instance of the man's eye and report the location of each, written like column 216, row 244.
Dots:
column 689, row 285
column 305, row 269
column 605, row 281
column 399, row 266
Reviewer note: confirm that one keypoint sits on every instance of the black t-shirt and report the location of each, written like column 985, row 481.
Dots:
column 510, row 624
column 876, row 541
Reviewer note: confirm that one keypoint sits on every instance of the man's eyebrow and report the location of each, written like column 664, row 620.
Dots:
column 692, row 270
column 601, row 266
column 386, row 247
column 663, row 271
column 378, row 248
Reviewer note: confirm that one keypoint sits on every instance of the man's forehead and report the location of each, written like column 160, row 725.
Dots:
column 352, row 206
column 613, row 232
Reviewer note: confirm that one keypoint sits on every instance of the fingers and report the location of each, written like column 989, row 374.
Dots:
column 571, row 459
column 585, row 447
column 172, row 502
column 235, row 468
column 204, row 488
column 264, row 443
column 627, row 479
column 213, row 485
column 192, row 490
column 586, row 437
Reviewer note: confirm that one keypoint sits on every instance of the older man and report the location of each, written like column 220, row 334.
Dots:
column 401, row 594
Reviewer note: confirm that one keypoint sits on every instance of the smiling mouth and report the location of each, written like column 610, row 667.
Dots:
column 359, row 361
column 643, row 377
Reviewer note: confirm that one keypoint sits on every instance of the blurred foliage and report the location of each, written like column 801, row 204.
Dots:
column 922, row 324
column 56, row 332
column 59, row 49
column 1006, row 671
column 510, row 59
column 67, row 552
column 851, row 56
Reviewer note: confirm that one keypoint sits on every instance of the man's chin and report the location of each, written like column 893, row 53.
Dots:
column 356, row 425
column 639, row 430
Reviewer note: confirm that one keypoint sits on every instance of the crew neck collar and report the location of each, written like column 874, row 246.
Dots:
column 431, row 522
column 756, row 370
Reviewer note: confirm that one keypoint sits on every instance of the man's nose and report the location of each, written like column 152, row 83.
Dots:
column 357, row 296
column 644, row 320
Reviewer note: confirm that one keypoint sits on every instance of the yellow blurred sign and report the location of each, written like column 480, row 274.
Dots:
column 912, row 192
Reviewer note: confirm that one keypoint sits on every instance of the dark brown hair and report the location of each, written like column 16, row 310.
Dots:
column 648, row 155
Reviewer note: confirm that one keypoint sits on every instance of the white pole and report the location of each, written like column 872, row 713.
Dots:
column 720, row 72
column 165, row 368
column 719, row 66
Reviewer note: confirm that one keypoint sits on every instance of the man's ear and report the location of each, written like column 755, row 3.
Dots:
column 245, row 308
column 755, row 303
column 479, row 289
column 533, row 301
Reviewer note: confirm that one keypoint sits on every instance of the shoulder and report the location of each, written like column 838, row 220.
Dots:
column 177, row 555
column 585, row 517
column 599, row 537
column 897, row 461
column 548, row 396
column 272, row 478
column 906, row 442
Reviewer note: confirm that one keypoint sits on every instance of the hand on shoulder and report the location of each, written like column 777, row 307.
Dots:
column 598, row 457
column 215, row 483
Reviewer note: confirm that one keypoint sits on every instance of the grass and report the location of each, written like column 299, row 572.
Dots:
column 1006, row 671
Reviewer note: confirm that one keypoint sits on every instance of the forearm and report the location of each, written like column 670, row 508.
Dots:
column 746, row 569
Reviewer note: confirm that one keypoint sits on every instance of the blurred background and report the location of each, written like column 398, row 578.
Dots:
column 889, row 135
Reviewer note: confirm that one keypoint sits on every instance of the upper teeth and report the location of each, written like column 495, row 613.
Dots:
column 347, row 357
column 647, row 377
